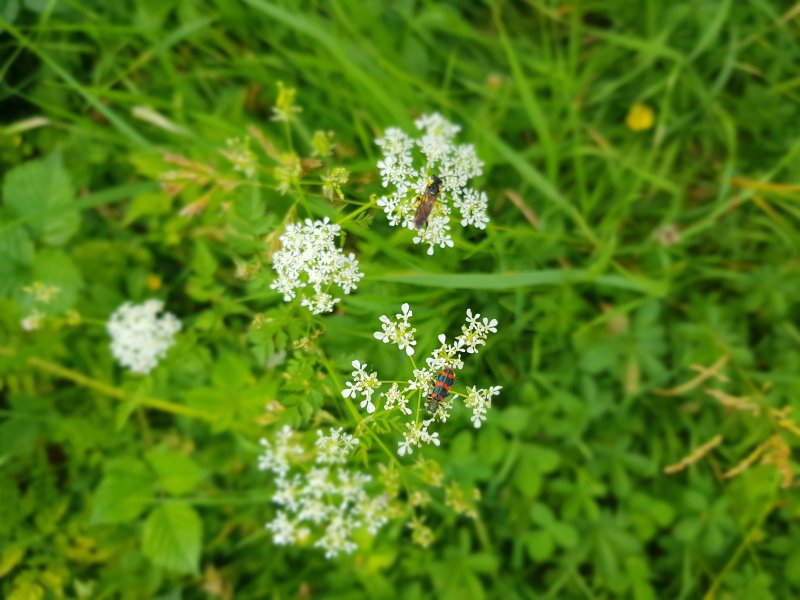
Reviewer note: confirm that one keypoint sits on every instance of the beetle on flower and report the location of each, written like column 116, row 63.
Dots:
column 445, row 168
column 430, row 391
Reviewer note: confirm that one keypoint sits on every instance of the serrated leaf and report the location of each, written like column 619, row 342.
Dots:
column 40, row 193
column 172, row 537
column 177, row 474
column 126, row 490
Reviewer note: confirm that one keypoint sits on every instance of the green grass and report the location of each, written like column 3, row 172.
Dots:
column 597, row 316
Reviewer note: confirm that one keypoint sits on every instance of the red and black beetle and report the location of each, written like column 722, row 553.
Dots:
column 443, row 384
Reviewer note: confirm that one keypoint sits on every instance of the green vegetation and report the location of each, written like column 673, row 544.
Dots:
column 642, row 162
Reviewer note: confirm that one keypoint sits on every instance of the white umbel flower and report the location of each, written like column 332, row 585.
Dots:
column 318, row 503
column 139, row 336
column 421, row 389
column 310, row 259
column 398, row 331
column 437, row 154
column 363, row 383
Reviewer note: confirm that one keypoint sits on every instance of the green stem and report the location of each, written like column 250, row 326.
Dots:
column 734, row 559
column 110, row 390
column 355, row 213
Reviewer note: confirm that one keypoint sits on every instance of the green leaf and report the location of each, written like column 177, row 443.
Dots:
column 542, row 515
column 564, row 534
column 16, row 256
column 527, row 478
column 172, row 537
column 546, row 460
column 37, row 192
column 125, row 492
column 152, row 204
column 540, row 545
column 55, row 268
column 521, row 280
column 792, row 568
column 177, row 474
column 513, row 419
column 10, row 504
column 231, row 371
column 18, row 435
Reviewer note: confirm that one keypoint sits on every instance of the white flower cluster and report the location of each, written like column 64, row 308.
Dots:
column 139, row 337
column 398, row 332
column 310, row 258
column 480, row 401
column 455, row 164
column 474, row 334
column 363, row 383
column 318, row 501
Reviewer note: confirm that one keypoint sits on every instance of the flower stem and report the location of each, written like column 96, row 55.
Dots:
column 112, row 391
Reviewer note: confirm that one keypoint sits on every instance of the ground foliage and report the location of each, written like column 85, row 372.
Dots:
column 626, row 249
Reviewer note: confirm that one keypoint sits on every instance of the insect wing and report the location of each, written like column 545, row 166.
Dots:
column 426, row 202
column 423, row 211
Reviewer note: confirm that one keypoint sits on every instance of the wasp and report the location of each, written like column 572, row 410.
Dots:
column 443, row 384
column 427, row 200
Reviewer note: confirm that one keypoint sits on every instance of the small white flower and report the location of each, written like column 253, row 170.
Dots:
column 284, row 531
column 335, row 447
column 33, row 321
column 480, row 401
column 139, row 337
column 423, row 381
column 367, row 402
column 446, row 355
column 363, row 383
column 309, row 258
column 474, row 332
column 337, row 536
column 288, row 492
column 396, row 397
column 277, row 458
column 373, row 513
column 351, row 390
column 405, row 446
column 398, row 331
column 472, row 205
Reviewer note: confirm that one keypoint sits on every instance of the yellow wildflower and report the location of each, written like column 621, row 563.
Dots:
column 640, row 117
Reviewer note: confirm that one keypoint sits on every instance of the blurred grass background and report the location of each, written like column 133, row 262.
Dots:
column 617, row 258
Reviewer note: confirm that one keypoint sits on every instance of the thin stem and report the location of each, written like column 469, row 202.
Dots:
column 109, row 390
column 355, row 213
column 348, row 403
column 734, row 559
